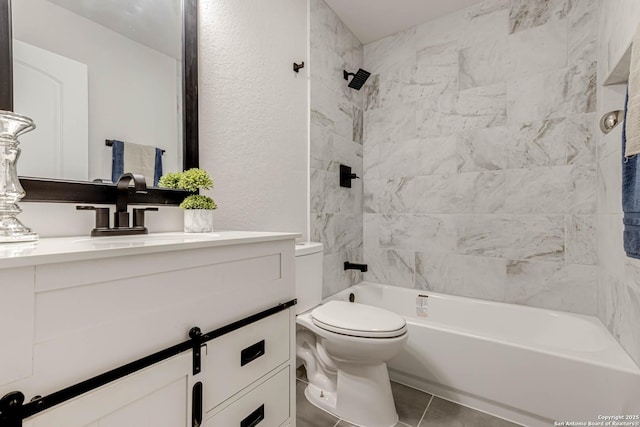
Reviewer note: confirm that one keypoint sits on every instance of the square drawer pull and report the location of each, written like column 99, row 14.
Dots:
column 254, row 418
column 251, row 353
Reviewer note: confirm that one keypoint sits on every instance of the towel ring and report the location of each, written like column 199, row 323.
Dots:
column 611, row 120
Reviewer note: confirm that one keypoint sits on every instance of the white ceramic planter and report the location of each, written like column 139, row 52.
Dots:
column 198, row 220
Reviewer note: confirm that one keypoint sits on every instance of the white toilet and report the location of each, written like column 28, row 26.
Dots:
column 344, row 347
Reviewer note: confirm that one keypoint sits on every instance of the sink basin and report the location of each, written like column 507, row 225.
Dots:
column 147, row 239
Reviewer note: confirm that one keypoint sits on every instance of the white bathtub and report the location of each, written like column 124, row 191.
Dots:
column 528, row 365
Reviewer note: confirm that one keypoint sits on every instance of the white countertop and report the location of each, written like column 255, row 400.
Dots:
column 65, row 249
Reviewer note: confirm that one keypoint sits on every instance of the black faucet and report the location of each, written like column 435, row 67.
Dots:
column 121, row 223
column 121, row 216
column 351, row 266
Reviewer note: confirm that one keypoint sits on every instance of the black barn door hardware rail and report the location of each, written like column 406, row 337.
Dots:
column 13, row 410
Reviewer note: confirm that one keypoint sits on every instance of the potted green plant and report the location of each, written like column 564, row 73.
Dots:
column 198, row 209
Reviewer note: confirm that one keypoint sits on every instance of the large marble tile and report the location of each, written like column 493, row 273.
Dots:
column 555, row 286
column 442, row 413
column 483, row 64
column 419, row 156
column 539, row 190
column 538, row 97
column 346, row 152
column 390, row 55
column 334, row 277
column 606, row 297
column 321, row 147
column 536, row 50
column 477, row 277
column 480, row 192
column 622, row 311
column 390, row 267
column 358, row 125
column 581, row 87
column 328, row 197
column 390, row 124
column 343, row 118
column 518, row 237
column 629, row 337
column 372, row 92
column 480, row 23
column 483, row 149
column 422, row 194
column 583, row 30
column 437, row 69
column 371, row 230
column 526, row 14
column 611, row 256
column 417, row 232
column 583, row 189
column 553, row 94
column 337, row 232
column 470, row 109
column 393, row 93
column 523, row 54
column 610, row 184
column 582, row 133
column 323, row 22
column 581, row 239
column 433, row 270
column 538, row 143
column 371, row 161
column 552, row 190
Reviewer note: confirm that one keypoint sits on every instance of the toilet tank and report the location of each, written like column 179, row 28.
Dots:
column 308, row 275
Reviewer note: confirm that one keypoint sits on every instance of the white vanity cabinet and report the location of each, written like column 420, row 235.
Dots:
column 72, row 309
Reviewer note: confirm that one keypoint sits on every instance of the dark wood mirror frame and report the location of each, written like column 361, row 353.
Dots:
column 62, row 191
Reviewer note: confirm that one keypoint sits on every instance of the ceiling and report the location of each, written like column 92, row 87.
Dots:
column 155, row 24
column 371, row 20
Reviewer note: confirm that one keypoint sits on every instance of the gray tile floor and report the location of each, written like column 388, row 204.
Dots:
column 415, row 409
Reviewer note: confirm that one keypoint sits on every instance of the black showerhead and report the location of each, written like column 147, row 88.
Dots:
column 358, row 78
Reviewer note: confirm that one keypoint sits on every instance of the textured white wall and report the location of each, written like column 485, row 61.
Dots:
column 124, row 80
column 254, row 112
column 253, row 123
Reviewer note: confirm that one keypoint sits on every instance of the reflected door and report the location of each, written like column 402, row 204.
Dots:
column 53, row 91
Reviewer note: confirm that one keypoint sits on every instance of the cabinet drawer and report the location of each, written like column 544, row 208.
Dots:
column 233, row 361
column 267, row 405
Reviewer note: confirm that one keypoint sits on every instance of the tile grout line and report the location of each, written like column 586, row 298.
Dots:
column 337, row 422
column 425, row 411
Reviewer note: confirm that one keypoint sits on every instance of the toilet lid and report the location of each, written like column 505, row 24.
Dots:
column 358, row 320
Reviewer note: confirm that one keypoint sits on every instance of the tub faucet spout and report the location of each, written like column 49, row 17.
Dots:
column 351, row 266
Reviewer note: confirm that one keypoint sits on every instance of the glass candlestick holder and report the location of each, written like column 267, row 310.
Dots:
column 11, row 192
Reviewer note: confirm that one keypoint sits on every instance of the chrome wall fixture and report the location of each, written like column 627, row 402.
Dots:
column 611, row 120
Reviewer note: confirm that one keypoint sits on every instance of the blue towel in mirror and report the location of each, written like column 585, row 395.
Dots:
column 630, row 196
column 118, row 166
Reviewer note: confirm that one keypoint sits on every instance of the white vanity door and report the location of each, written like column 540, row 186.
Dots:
column 159, row 396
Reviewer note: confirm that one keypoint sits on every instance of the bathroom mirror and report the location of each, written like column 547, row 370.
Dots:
column 139, row 77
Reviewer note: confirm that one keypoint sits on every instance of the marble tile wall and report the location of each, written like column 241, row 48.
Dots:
column 479, row 150
column 336, row 138
column 618, row 275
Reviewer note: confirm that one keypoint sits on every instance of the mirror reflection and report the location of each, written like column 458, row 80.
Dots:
column 92, row 71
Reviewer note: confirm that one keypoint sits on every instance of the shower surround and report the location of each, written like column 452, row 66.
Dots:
column 336, row 137
column 479, row 155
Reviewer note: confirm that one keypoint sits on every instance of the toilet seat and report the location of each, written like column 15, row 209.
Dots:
column 358, row 320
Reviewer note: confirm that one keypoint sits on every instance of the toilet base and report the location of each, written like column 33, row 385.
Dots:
column 363, row 396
